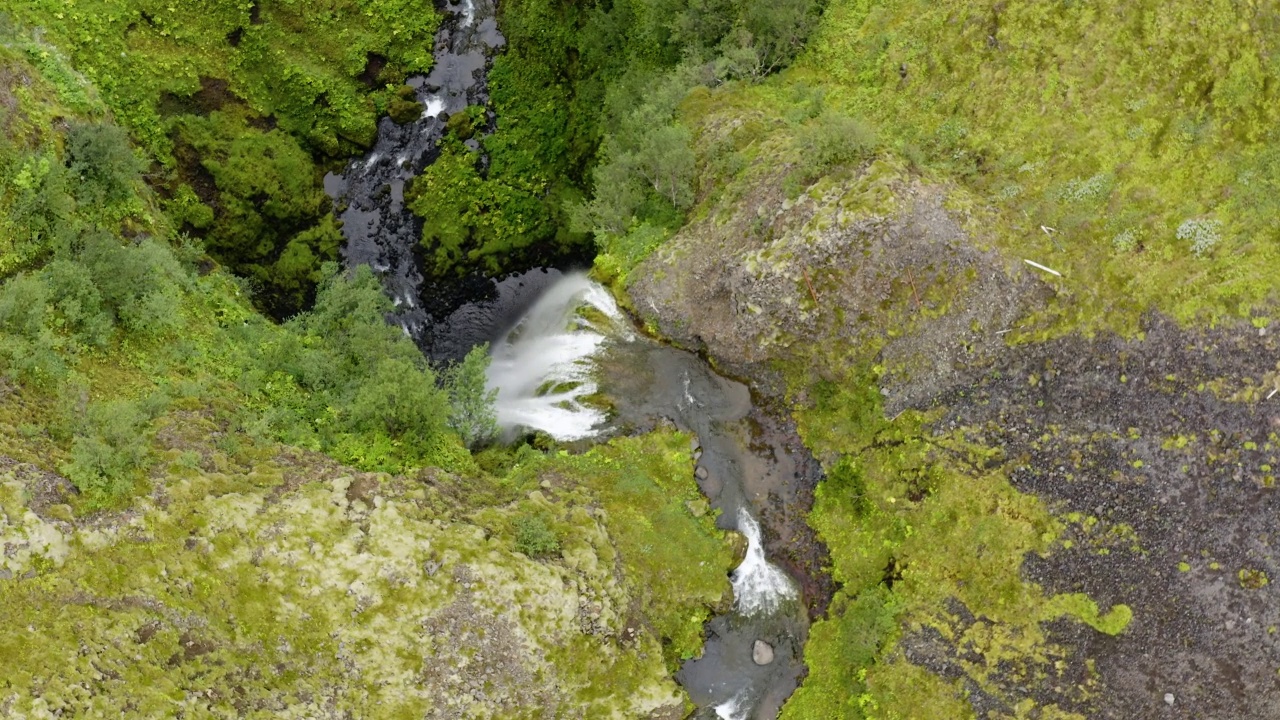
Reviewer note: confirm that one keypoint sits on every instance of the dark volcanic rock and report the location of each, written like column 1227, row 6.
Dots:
column 1165, row 449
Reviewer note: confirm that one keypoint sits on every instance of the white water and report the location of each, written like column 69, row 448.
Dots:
column 435, row 106
column 552, row 345
column 759, row 586
column 733, row 709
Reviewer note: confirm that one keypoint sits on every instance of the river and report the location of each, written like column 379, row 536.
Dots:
column 572, row 343
column 558, row 340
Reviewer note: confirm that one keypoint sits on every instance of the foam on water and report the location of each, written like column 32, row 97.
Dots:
column 735, row 708
column 759, row 586
column 541, row 368
column 435, row 106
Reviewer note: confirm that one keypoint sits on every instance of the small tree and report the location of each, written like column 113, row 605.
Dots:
column 472, row 413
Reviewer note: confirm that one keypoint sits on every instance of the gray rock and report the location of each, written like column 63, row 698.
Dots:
column 1168, row 699
column 700, row 473
column 762, row 653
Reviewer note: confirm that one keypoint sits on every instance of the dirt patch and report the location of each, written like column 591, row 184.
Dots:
column 44, row 489
column 373, row 65
column 214, row 94
column 490, row 670
column 1161, row 454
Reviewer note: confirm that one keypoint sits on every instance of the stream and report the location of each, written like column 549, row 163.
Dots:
column 572, row 342
column 558, row 340
column 369, row 193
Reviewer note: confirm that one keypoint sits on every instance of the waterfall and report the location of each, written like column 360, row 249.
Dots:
column 541, row 367
column 759, row 586
column 733, row 709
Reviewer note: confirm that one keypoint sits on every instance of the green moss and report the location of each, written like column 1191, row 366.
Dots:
column 245, row 592
column 916, row 519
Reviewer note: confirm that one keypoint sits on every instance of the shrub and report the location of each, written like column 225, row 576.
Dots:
column 100, row 156
column 109, row 451
column 399, row 397
column 471, row 411
column 1203, row 235
column 534, row 538
column 832, row 139
column 28, row 348
column 40, row 215
column 140, row 284
column 77, row 303
column 1125, row 241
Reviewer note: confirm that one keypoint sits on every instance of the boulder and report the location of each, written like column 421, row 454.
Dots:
column 761, row 653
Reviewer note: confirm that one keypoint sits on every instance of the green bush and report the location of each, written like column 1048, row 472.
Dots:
column 140, row 283
column 29, row 349
column 109, row 451
column 99, row 155
column 40, row 212
column 830, row 140
column 534, row 538
column 471, row 411
column 77, row 303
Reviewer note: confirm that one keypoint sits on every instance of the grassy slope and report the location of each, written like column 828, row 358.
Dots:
column 1141, row 135
column 1115, row 124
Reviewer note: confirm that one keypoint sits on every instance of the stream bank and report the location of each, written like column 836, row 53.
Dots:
column 572, row 350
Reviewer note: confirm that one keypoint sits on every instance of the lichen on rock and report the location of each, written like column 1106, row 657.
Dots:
column 350, row 593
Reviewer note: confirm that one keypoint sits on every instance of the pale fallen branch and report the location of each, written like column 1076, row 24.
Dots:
column 1273, row 392
column 809, row 285
column 1035, row 264
column 1048, row 230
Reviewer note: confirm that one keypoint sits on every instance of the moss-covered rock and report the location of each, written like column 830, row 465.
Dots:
column 345, row 592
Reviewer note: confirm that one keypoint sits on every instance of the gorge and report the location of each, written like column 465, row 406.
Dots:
column 845, row 359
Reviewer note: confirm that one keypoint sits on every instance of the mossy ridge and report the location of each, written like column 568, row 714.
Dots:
column 897, row 495
column 219, row 596
column 1138, row 169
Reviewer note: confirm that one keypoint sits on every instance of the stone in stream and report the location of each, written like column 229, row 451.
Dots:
column 761, row 653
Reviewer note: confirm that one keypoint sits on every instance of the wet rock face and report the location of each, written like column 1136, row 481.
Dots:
column 1160, row 455
column 898, row 282
column 380, row 231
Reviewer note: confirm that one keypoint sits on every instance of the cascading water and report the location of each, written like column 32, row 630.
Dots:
column 759, row 586
column 541, row 367
column 733, row 709
column 380, row 231
column 547, row 364
column 573, row 342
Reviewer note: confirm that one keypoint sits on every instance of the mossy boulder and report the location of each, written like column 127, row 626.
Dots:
column 329, row 590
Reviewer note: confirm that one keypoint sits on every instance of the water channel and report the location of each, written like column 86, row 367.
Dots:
column 557, row 339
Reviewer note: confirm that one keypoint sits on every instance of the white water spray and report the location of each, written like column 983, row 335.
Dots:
column 468, row 12
column 435, row 106
column 541, row 368
column 759, row 586
column 735, row 708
